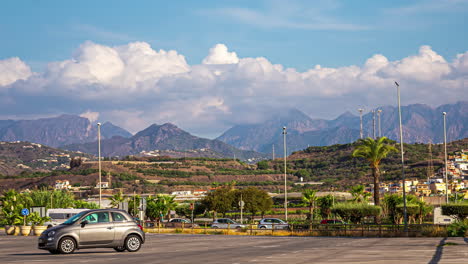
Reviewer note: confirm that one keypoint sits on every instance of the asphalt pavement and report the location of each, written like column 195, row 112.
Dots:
column 185, row 248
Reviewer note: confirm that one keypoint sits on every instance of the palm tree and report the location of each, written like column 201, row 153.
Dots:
column 308, row 197
column 117, row 199
column 159, row 206
column 374, row 151
column 359, row 194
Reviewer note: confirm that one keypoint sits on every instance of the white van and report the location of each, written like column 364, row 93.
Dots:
column 440, row 219
column 60, row 215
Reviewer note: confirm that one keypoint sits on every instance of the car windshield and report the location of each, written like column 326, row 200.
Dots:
column 73, row 219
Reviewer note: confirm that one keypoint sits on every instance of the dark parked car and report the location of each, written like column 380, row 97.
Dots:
column 99, row 228
column 179, row 222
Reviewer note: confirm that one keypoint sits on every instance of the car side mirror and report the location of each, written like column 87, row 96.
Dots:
column 83, row 223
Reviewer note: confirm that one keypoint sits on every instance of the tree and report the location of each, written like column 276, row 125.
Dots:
column 359, row 194
column 325, row 203
column 309, row 198
column 134, row 204
column 305, row 174
column 263, row 165
column 117, row 199
column 256, row 200
column 75, row 162
column 374, row 151
column 160, row 206
column 219, row 201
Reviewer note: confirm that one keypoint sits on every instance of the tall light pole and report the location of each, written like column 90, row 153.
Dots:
column 99, row 163
column 373, row 123
column 360, row 118
column 380, row 128
column 445, row 147
column 405, row 218
column 285, row 187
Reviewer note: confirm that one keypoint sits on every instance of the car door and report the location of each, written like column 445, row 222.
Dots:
column 99, row 230
column 121, row 225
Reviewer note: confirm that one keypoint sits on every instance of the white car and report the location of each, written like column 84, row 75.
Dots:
column 226, row 223
column 60, row 215
column 270, row 223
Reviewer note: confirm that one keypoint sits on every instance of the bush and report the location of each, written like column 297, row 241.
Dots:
column 355, row 212
column 458, row 210
column 457, row 229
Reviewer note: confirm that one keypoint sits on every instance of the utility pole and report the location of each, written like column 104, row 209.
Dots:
column 405, row 217
column 285, row 187
column 360, row 118
column 446, row 167
column 99, row 163
column 273, row 152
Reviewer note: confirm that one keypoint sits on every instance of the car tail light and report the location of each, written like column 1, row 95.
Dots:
column 140, row 227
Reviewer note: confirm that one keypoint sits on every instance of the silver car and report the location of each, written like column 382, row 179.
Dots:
column 226, row 223
column 100, row 228
column 272, row 223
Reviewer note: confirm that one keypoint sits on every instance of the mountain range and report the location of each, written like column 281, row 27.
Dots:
column 421, row 124
column 57, row 131
column 162, row 137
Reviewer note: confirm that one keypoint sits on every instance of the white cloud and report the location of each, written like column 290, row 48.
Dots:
column 91, row 116
column 12, row 70
column 219, row 54
column 134, row 85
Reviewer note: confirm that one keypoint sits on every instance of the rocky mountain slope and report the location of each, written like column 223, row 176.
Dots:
column 162, row 137
column 57, row 131
column 421, row 123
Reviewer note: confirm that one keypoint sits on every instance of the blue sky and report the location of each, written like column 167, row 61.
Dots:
column 391, row 37
column 41, row 31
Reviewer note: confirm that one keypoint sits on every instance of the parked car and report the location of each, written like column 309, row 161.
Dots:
column 60, row 215
column 270, row 223
column 179, row 222
column 226, row 223
column 333, row 221
column 99, row 228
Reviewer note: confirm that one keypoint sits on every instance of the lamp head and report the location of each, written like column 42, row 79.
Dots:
column 397, row 84
column 99, row 124
column 444, row 113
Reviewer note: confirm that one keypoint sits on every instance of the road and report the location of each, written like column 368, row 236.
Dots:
column 182, row 248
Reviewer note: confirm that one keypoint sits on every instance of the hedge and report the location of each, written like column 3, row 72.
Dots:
column 458, row 210
column 355, row 212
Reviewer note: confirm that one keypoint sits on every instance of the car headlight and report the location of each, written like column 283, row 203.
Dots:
column 51, row 234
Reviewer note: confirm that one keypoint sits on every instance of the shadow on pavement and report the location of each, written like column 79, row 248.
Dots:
column 438, row 253
column 74, row 253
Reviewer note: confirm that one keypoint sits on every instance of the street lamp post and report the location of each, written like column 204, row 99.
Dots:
column 285, row 183
column 360, row 118
column 373, row 124
column 405, row 218
column 445, row 149
column 380, row 128
column 99, row 163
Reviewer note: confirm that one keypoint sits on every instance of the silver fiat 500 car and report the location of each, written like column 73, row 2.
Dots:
column 99, row 228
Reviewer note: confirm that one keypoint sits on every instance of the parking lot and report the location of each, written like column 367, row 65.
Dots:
column 183, row 248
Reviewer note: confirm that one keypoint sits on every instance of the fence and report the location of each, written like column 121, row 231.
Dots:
column 343, row 230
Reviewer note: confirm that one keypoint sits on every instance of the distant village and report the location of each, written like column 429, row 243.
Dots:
column 434, row 185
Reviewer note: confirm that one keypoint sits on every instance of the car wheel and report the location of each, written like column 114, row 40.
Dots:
column 263, row 227
column 214, row 227
column 66, row 245
column 54, row 251
column 120, row 249
column 133, row 243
